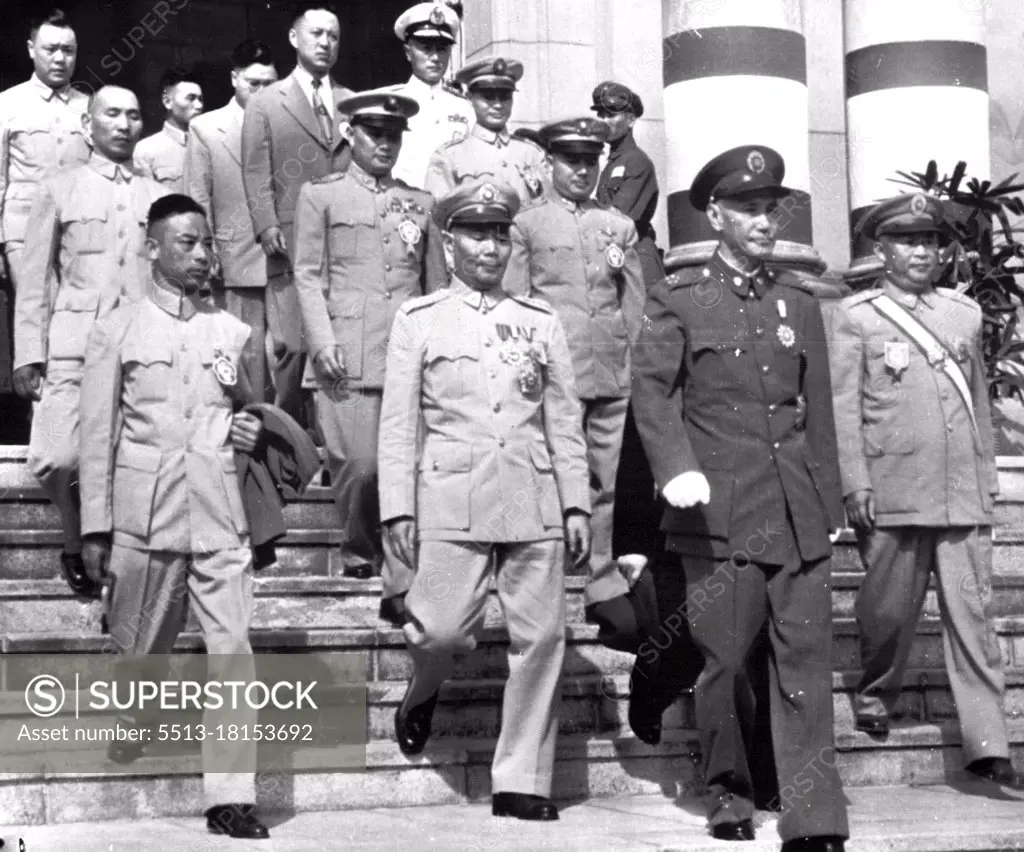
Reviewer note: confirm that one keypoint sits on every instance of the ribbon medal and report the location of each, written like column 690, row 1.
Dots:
column 897, row 355
column 224, row 369
column 785, row 333
column 410, row 232
column 615, row 256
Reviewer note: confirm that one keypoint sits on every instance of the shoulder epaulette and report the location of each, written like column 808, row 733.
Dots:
column 529, row 143
column 962, row 298
column 333, row 176
column 425, row 301
column 683, row 278
column 451, row 143
column 397, row 87
column 536, row 304
column 862, row 296
column 791, row 279
column 453, row 89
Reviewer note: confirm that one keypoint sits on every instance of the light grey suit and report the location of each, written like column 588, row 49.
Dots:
column 213, row 177
column 282, row 148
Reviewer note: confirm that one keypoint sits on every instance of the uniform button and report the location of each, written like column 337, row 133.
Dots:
column 776, row 445
column 120, row 207
column 497, row 406
column 121, row 262
column 771, row 407
column 949, row 427
column 492, row 374
column 383, row 214
column 593, row 313
column 435, row 465
column 188, row 412
column 387, row 295
column 387, row 267
column 184, row 347
column 121, row 233
column 501, row 442
column 945, row 395
column 765, row 368
column 185, row 379
column 487, row 343
column 386, row 240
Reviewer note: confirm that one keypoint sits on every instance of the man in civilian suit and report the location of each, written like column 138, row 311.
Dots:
column 290, row 135
column 213, row 177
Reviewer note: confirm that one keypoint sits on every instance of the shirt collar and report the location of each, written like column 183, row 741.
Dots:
column 371, row 182
column 176, row 303
column 739, row 281
column 575, row 207
column 236, row 110
column 179, row 136
column 480, row 300
column 109, row 169
column 305, row 80
column 47, row 93
column 415, row 83
column 905, row 298
column 490, row 137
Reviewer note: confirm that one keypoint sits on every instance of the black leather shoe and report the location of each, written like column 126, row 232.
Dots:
column 523, row 806
column 998, row 770
column 645, row 719
column 824, row 843
column 358, row 572
column 875, row 726
column 392, row 610
column 412, row 725
column 235, row 821
column 73, row 569
column 742, row 830
column 125, row 752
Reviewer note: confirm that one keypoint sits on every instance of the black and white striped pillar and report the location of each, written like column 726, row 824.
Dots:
column 735, row 73
column 916, row 90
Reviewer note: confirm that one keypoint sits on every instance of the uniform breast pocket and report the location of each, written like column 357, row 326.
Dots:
column 445, row 486
column 73, row 316
column 148, row 371
column 787, row 364
column 554, row 263
column 169, row 176
column 454, row 367
column 714, row 363
column 88, row 233
column 347, row 312
column 351, row 235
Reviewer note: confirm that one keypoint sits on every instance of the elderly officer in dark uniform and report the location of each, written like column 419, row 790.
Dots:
column 363, row 246
column 498, row 478
column 581, row 257
column 919, row 476
column 489, row 151
column 733, row 401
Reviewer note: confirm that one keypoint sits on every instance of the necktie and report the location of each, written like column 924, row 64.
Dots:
column 322, row 115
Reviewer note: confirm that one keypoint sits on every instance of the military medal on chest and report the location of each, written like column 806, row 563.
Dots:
column 785, row 333
column 224, row 369
column 897, row 356
column 523, row 356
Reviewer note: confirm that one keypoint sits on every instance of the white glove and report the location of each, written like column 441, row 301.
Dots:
column 688, row 489
column 834, row 537
column 631, row 566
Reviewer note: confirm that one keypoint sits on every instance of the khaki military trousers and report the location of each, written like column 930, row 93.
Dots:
column 349, row 421
column 447, row 604
column 728, row 602
column 603, row 423
column 899, row 562
column 153, row 592
column 53, row 446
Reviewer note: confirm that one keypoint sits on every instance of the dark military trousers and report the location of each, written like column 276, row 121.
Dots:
column 727, row 604
column 899, row 562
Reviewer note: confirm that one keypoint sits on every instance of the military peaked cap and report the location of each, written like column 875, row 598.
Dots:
column 479, row 201
column 739, row 171
column 911, row 213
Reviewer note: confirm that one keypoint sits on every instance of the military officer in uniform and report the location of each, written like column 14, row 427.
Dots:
column 85, row 250
column 919, row 477
column 364, row 246
column 497, row 480
column 428, row 31
column 734, row 405
column 162, row 508
column 581, row 257
column 489, row 151
column 162, row 155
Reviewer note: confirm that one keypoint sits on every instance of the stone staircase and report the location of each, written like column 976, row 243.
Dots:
column 304, row 602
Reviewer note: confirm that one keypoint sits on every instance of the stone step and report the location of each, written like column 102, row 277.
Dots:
column 457, row 771
column 387, row 658
column 285, row 601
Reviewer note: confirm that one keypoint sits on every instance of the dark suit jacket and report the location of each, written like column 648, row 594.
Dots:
column 282, row 148
column 281, row 467
column 733, row 381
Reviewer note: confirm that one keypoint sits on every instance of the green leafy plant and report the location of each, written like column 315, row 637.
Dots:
column 982, row 258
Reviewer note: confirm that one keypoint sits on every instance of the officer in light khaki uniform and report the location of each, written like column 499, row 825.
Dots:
column 581, row 257
column 490, row 151
column 428, row 31
column 40, row 130
column 919, row 477
column 85, row 250
column 364, row 246
column 162, row 155
column 162, row 509
column 498, row 480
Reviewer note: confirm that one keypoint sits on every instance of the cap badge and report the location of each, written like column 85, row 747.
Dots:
column 437, row 16
column 391, row 104
column 918, row 204
column 410, row 232
column 499, row 66
column 615, row 256
column 224, row 370
column 583, row 127
column 488, row 193
column 755, row 162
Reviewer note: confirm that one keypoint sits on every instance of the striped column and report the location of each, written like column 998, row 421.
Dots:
column 735, row 73
column 917, row 90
